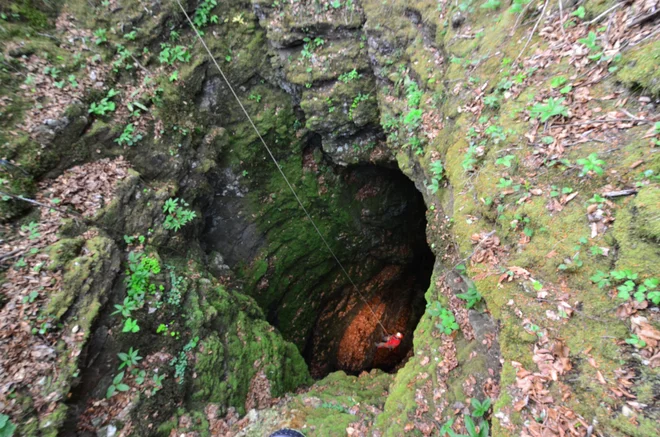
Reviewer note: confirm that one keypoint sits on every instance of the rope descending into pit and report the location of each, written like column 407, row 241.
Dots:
column 199, row 36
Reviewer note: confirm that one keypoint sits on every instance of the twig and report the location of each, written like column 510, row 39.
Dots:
column 11, row 254
column 140, row 65
column 5, row 163
column 630, row 115
column 561, row 17
column 620, row 193
column 603, row 14
column 645, row 18
column 522, row 13
column 43, row 205
column 48, row 36
column 614, row 120
column 545, row 6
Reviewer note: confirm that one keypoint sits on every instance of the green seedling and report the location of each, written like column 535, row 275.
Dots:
column 591, row 164
column 116, row 386
column 130, row 325
column 634, row 340
column 176, row 215
column 129, row 359
column 551, row 108
column 471, row 296
column 480, row 408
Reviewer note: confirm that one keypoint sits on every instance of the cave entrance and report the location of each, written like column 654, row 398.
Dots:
column 374, row 218
column 347, row 326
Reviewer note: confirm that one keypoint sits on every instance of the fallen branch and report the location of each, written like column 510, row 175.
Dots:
column 620, row 193
column 645, row 18
column 614, row 120
column 545, row 6
column 521, row 14
column 43, row 205
column 561, row 17
column 603, row 14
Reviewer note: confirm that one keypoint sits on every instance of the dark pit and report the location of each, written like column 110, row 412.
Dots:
column 374, row 219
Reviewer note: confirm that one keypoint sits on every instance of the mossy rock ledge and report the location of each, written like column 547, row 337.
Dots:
column 490, row 187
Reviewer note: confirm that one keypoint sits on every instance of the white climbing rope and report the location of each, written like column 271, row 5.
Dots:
column 199, row 36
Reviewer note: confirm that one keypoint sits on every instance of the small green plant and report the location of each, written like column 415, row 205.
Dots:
column 470, row 159
column 589, row 41
column 491, row 5
column 116, row 386
column 629, row 285
column 506, row 161
column 140, row 270
column 6, row 427
column 447, row 323
column 558, row 81
column 178, row 286
column 128, row 136
column 32, row 230
column 53, row 72
column 579, row 12
column 518, row 5
column 471, row 296
column 492, row 101
column 176, row 215
column 350, row 76
column 202, row 16
column 169, row 55
column 504, row 183
column 331, row 106
column 125, row 308
column 413, row 118
column 255, row 97
column 130, row 239
column 572, row 264
column 496, row 133
column 72, row 81
column 591, row 164
column 436, row 168
column 480, row 408
column 555, row 191
column 471, row 428
column 140, row 377
column 105, row 105
column 30, row 298
column 552, row 107
column 134, row 107
column 158, row 382
column 356, row 101
column 101, row 36
column 131, row 35
column 634, row 340
column 129, row 359
column 601, row 279
column 130, row 325
column 180, row 362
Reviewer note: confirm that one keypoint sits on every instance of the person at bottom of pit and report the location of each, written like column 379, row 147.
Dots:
column 390, row 342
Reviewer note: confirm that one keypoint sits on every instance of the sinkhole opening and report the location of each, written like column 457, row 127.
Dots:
column 372, row 216
column 388, row 299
